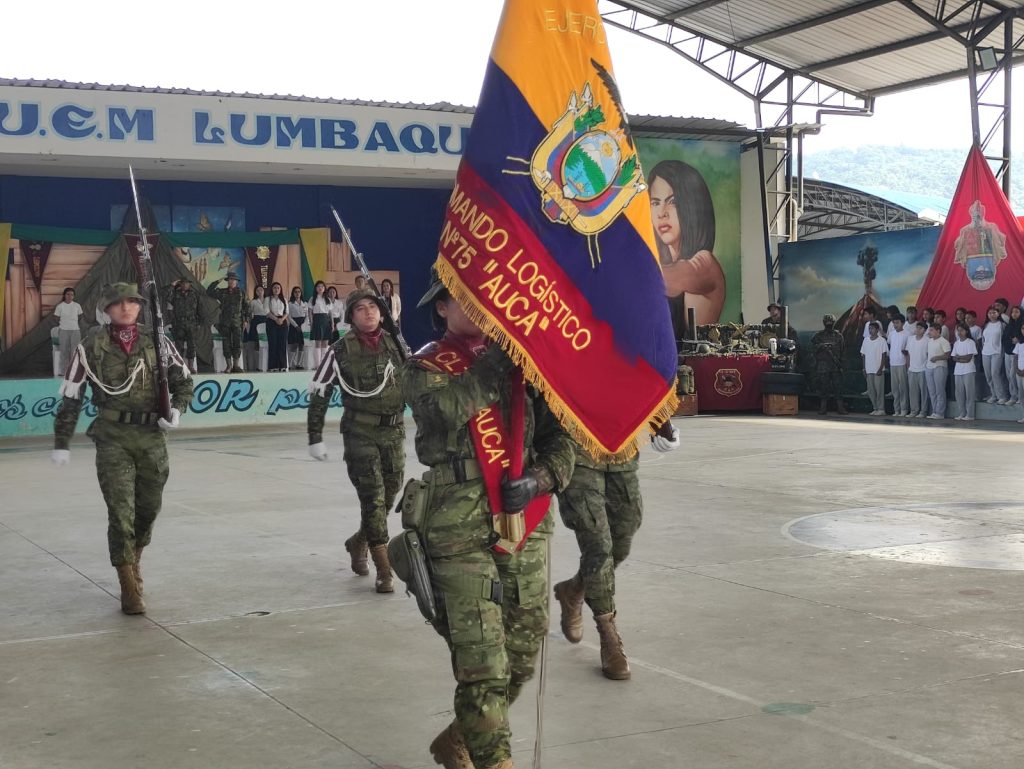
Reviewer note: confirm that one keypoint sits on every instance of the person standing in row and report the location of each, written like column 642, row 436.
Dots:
column 277, row 329
column 964, row 372
column 69, row 330
column 119, row 364
column 234, row 320
column 365, row 364
column 338, row 325
column 897, row 339
column 603, row 506
column 827, row 347
column 298, row 310
column 320, row 328
column 1012, row 334
column 873, row 354
column 917, row 363
column 392, row 301
column 492, row 606
column 258, row 313
column 185, row 319
column 992, row 357
column 1018, row 367
column 936, row 370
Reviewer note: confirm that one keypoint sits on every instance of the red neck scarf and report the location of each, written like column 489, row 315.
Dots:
column 125, row 336
column 497, row 436
column 372, row 339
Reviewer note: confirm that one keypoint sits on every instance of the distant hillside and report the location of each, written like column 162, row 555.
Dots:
column 919, row 171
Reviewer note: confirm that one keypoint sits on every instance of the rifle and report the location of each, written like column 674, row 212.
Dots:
column 386, row 320
column 147, row 282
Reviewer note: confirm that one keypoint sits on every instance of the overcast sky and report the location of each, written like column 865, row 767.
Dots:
column 393, row 50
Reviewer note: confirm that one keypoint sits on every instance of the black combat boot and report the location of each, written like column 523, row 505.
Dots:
column 840, row 407
column 823, row 406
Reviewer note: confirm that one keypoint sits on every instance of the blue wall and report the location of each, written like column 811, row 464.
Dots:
column 396, row 229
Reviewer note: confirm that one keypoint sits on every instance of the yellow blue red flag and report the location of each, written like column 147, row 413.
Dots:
column 547, row 239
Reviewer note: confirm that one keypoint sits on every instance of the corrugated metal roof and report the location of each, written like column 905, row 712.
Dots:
column 651, row 126
column 863, row 47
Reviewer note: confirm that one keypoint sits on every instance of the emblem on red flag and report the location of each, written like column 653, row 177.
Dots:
column 728, row 382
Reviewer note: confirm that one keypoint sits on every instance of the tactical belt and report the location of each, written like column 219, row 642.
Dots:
column 378, row 420
column 456, row 471
column 129, row 417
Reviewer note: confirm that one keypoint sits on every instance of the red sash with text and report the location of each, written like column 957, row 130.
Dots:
column 497, row 437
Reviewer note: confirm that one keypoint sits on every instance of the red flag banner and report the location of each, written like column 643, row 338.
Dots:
column 262, row 260
column 980, row 253
column 35, row 253
column 547, row 240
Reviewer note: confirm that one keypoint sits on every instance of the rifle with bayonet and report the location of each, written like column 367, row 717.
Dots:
column 147, row 286
column 387, row 321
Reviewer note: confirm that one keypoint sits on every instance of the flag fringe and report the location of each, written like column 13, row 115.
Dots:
column 662, row 412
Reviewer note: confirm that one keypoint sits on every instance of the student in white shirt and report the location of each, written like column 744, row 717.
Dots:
column 935, row 368
column 873, row 352
column 940, row 318
column 868, row 315
column 338, row 324
column 1012, row 333
column 391, row 300
column 298, row 311
column 277, row 329
column 251, row 336
column 320, row 330
column 69, row 333
column 917, row 360
column 964, row 352
column 1018, row 351
column 900, row 384
column 992, row 358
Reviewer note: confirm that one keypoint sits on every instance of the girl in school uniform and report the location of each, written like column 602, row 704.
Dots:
column 277, row 329
column 963, row 352
column 320, row 330
column 298, row 311
column 251, row 339
column 992, row 358
column 338, row 324
column 1012, row 335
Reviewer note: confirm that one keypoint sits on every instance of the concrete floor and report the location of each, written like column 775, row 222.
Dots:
column 751, row 649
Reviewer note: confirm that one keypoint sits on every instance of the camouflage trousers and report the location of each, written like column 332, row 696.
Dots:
column 231, row 341
column 493, row 646
column 185, row 340
column 375, row 460
column 132, row 468
column 604, row 509
column 828, row 383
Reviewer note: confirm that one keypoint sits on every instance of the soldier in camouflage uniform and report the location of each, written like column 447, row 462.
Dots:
column 602, row 504
column 185, row 318
column 235, row 312
column 365, row 364
column 493, row 640
column 827, row 348
column 119, row 363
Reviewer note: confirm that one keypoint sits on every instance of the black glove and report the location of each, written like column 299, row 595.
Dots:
column 517, row 494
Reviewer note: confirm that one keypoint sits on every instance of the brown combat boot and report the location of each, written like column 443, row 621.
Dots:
column 137, row 568
column 356, row 547
column 614, row 664
column 449, row 749
column 384, row 583
column 131, row 599
column 570, row 595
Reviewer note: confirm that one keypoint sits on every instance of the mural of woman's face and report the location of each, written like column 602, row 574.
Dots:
column 664, row 214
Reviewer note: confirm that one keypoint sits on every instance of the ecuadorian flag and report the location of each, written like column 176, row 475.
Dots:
column 547, row 240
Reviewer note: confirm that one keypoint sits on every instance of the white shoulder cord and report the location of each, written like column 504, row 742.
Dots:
column 125, row 386
column 389, row 372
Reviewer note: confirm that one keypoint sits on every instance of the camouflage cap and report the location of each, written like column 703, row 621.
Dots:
column 828, row 318
column 435, row 288
column 118, row 292
column 357, row 296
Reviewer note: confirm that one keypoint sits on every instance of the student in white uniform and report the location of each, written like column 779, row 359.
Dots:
column 900, row 384
column 917, row 361
column 1018, row 351
column 992, row 358
column 963, row 353
column 938, row 357
column 69, row 333
column 873, row 352
column 320, row 330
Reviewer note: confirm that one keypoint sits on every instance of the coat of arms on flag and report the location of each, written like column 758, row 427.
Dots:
column 547, row 240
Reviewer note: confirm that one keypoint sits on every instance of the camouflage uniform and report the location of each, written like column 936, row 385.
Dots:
column 493, row 647
column 131, row 450
column 185, row 318
column 235, row 312
column 372, row 428
column 603, row 506
column 827, row 347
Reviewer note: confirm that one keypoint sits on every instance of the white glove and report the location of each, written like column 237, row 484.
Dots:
column 318, row 451
column 174, row 421
column 60, row 457
column 662, row 444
